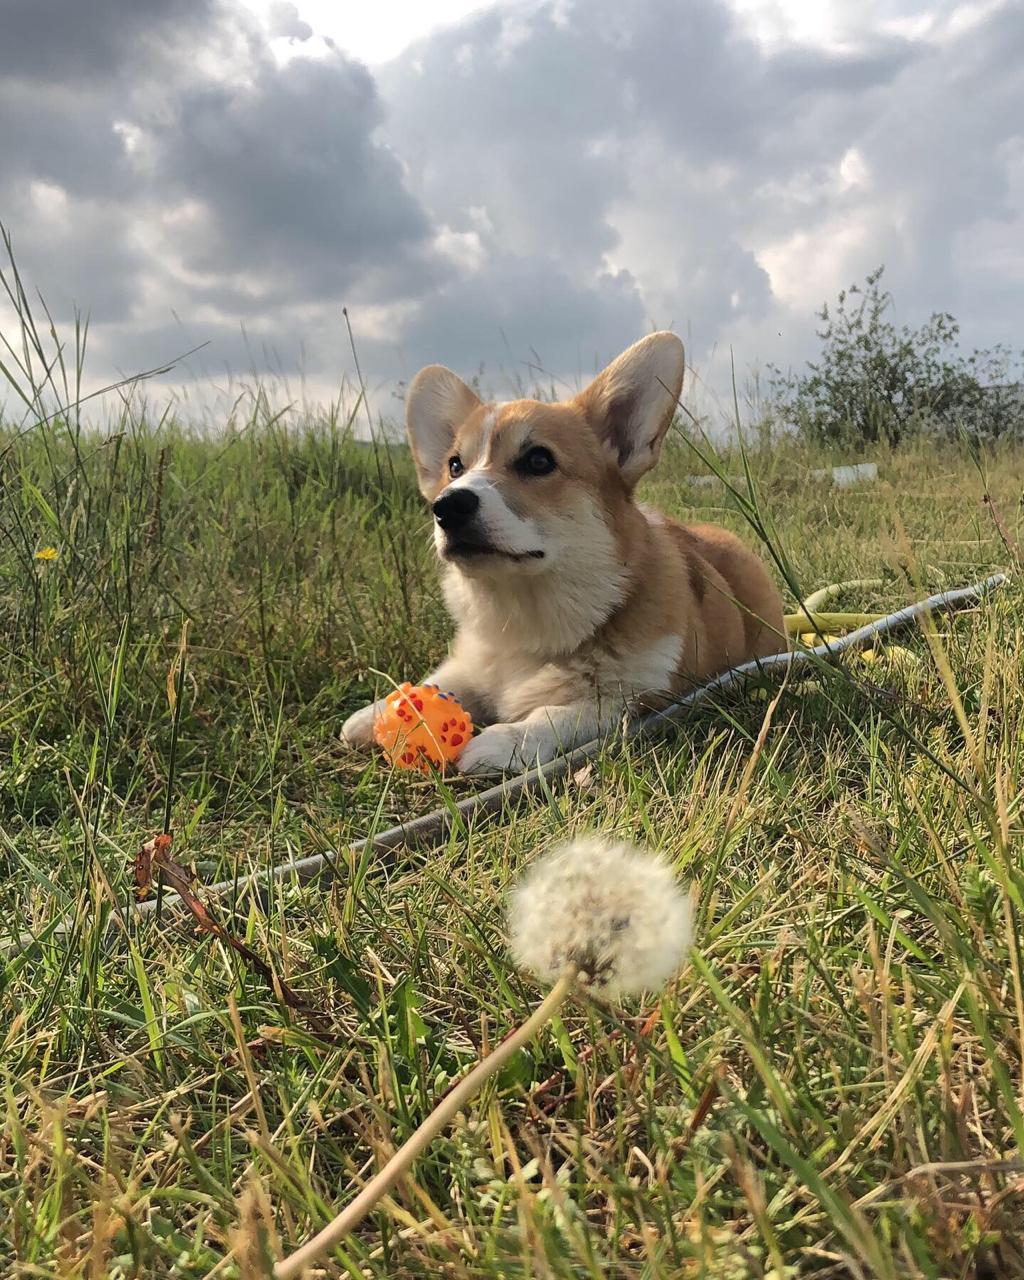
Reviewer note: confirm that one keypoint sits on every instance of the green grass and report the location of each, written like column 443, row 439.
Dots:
column 833, row 1086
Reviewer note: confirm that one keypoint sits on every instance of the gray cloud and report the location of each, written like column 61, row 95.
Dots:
column 284, row 21
column 722, row 176
column 59, row 134
column 139, row 182
column 521, row 321
column 585, row 135
column 547, row 177
column 297, row 193
column 61, row 41
column 947, row 140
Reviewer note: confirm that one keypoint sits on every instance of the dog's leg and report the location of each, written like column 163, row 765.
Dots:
column 451, row 676
column 357, row 730
column 544, row 734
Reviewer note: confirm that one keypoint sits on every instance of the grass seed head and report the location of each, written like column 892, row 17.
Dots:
column 611, row 909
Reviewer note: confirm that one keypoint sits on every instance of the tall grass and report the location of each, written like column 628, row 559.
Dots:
column 834, row 1085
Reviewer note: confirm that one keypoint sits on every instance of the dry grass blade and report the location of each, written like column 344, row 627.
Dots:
column 155, row 857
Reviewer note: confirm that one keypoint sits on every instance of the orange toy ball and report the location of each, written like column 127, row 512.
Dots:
column 420, row 726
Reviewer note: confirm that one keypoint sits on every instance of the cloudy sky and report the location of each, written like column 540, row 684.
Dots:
column 506, row 185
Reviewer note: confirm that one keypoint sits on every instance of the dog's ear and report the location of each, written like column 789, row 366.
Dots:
column 436, row 406
column 630, row 405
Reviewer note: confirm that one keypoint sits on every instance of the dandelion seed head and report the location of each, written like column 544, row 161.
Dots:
column 615, row 911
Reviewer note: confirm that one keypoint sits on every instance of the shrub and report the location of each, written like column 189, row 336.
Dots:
column 875, row 382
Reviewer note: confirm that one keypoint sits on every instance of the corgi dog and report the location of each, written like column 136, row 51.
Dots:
column 573, row 604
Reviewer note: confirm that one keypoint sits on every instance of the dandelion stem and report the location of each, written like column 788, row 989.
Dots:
column 443, row 1113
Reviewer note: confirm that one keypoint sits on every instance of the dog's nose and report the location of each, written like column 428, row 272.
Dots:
column 454, row 509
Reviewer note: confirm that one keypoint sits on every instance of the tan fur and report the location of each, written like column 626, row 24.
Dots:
column 581, row 604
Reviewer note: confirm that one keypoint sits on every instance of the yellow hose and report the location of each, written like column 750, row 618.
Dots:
column 797, row 623
column 808, row 619
column 816, row 599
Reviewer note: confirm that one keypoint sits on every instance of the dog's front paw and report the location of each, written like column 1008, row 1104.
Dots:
column 496, row 749
column 357, row 731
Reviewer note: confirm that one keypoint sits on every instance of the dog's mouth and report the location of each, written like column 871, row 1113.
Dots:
column 464, row 549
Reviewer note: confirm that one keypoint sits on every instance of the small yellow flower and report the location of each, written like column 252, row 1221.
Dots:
column 47, row 553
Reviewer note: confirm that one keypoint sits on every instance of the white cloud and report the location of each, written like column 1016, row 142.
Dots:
column 853, row 169
column 374, row 30
column 49, row 202
column 464, row 248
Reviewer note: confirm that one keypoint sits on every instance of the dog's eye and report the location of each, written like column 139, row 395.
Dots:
column 537, row 461
column 455, row 467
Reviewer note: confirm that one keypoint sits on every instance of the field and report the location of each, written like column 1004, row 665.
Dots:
column 833, row 1085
